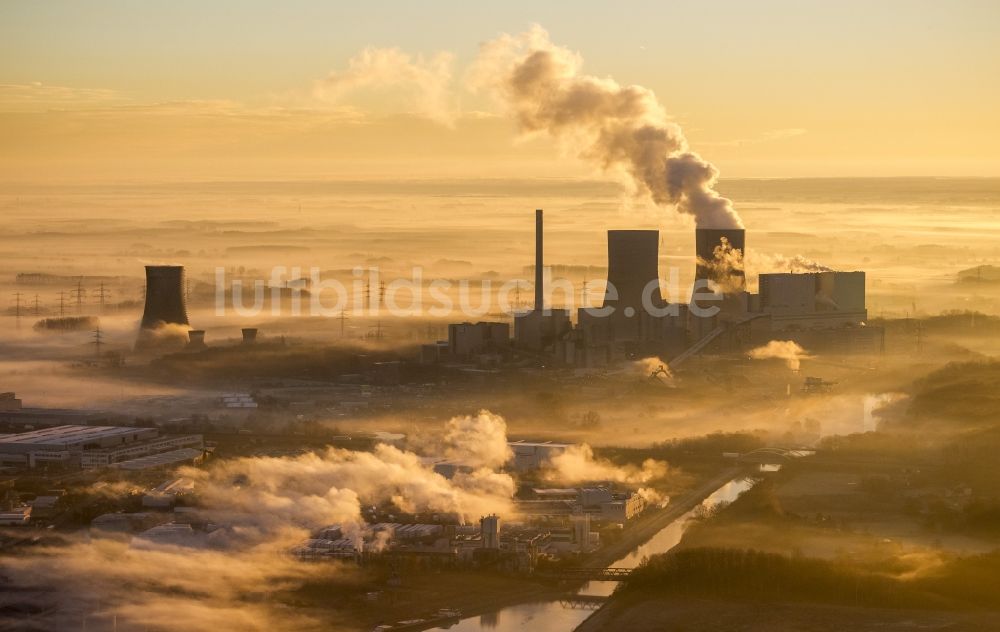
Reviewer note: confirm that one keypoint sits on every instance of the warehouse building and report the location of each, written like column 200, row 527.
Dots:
column 88, row 446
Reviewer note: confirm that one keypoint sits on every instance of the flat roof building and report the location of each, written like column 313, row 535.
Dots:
column 88, row 446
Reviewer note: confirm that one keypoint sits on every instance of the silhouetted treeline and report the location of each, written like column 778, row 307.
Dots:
column 708, row 447
column 966, row 393
column 759, row 576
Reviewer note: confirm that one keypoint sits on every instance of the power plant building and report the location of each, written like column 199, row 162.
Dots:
column 813, row 300
column 470, row 339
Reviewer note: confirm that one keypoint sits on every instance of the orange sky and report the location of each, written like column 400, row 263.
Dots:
column 163, row 91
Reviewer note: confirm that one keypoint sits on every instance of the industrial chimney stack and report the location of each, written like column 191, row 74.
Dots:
column 539, row 264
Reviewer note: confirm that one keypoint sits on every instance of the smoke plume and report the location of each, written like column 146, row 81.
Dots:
column 786, row 350
column 623, row 129
column 163, row 335
column 796, row 264
column 727, row 269
column 577, row 464
column 329, row 487
column 479, row 441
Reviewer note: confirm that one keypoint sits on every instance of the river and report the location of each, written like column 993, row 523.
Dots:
column 556, row 616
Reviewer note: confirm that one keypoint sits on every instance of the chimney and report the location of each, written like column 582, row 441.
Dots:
column 539, row 264
column 249, row 335
column 164, row 297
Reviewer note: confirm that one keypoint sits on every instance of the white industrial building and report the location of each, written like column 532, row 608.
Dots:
column 88, row 446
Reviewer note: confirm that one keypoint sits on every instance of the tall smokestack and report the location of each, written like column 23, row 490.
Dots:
column 164, row 297
column 539, row 264
column 633, row 264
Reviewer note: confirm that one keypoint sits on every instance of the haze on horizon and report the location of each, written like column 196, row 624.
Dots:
column 122, row 92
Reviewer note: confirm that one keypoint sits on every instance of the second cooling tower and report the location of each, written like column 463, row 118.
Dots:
column 164, row 297
column 633, row 266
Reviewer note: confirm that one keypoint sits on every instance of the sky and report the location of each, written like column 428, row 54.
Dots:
column 127, row 91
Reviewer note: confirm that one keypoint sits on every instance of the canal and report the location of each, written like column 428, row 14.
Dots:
column 560, row 616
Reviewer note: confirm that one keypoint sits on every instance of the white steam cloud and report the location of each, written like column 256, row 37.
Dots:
column 727, row 269
column 623, row 129
column 786, row 350
column 479, row 441
column 577, row 464
column 425, row 81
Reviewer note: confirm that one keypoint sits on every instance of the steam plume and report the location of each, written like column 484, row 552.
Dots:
column 727, row 268
column 577, row 464
column 621, row 128
column 796, row 263
column 786, row 350
column 479, row 441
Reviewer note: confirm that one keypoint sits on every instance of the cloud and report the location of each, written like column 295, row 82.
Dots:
column 37, row 97
column 426, row 83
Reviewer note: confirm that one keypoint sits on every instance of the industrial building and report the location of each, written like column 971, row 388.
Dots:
column 817, row 300
column 88, row 446
column 13, row 413
column 467, row 340
column 531, row 455
column 819, row 310
column 599, row 503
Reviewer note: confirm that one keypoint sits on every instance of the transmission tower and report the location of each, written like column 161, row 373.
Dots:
column 35, row 306
column 62, row 302
column 78, row 294
column 17, row 305
column 101, row 294
column 98, row 341
column 343, row 319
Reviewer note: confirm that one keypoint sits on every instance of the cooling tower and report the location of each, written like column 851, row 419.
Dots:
column 633, row 263
column 249, row 335
column 196, row 339
column 164, row 297
column 706, row 241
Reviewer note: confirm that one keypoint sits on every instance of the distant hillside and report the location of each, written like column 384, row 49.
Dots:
column 966, row 392
column 979, row 274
